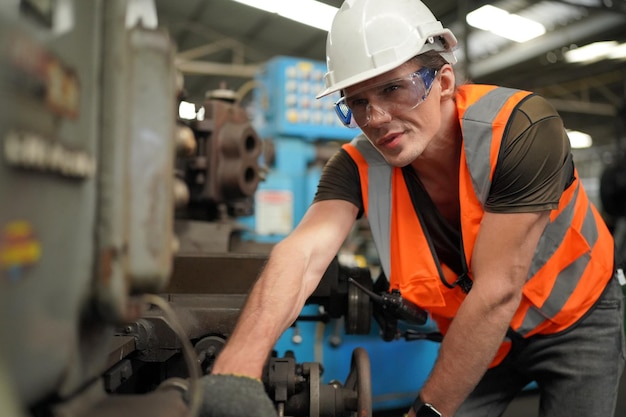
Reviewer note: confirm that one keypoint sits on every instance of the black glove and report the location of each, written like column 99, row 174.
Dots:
column 234, row 396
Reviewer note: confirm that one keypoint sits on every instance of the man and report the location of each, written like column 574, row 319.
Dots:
column 478, row 217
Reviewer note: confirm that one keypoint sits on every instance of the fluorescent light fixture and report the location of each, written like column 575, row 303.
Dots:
column 619, row 52
column 579, row 140
column 141, row 12
column 309, row 12
column 201, row 113
column 596, row 51
column 187, row 110
column 505, row 24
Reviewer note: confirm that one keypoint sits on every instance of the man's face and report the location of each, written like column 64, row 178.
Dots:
column 398, row 111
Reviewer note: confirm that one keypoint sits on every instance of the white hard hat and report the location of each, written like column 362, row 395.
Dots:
column 370, row 37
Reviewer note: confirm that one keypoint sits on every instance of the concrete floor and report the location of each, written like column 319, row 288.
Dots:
column 527, row 405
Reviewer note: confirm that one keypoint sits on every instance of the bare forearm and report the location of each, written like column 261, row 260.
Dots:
column 502, row 254
column 273, row 304
column 466, row 352
column 294, row 270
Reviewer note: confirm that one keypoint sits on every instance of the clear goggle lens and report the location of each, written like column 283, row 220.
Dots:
column 394, row 96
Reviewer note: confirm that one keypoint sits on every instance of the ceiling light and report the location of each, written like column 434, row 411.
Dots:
column 505, row 24
column 308, row 12
column 592, row 52
column 579, row 140
column 187, row 110
column 619, row 52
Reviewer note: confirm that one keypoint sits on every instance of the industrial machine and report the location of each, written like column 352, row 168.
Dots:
column 122, row 268
column 300, row 133
column 215, row 267
column 87, row 120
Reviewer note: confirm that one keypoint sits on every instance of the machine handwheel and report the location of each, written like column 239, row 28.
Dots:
column 315, row 381
column 360, row 380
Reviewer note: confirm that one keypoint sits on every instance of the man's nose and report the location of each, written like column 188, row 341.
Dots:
column 377, row 115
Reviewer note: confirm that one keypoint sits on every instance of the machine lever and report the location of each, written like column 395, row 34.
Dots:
column 414, row 335
column 395, row 304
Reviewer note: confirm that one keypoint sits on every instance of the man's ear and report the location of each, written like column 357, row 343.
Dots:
column 447, row 81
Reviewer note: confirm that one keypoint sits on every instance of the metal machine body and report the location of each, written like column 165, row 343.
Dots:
column 113, row 300
column 73, row 137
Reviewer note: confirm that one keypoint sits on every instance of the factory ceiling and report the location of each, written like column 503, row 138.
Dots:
column 223, row 42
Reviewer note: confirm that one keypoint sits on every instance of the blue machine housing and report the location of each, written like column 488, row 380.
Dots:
column 285, row 99
column 286, row 112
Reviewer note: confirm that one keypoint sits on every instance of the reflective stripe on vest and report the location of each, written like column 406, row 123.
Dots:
column 568, row 279
column 476, row 127
column 378, row 209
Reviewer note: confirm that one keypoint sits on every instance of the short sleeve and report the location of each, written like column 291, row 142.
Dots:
column 340, row 181
column 535, row 163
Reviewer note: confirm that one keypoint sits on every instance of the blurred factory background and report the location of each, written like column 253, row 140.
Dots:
column 153, row 151
column 228, row 41
column 570, row 51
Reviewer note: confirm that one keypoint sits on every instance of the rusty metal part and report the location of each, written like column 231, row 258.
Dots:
column 200, row 237
column 210, row 346
column 226, row 165
column 202, row 274
column 207, row 291
column 199, row 316
column 315, row 381
column 207, row 350
column 94, row 402
column 154, row 339
column 117, row 375
column 181, row 193
column 281, row 378
column 215, row 273
column 298, row 391
column 185, row 140
column 359, row 380
column 121, row 347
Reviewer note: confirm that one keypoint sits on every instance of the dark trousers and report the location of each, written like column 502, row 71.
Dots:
column 577, row 371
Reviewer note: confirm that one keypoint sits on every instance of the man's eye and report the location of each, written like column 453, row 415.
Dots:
column 390, row 88
column 357, row 103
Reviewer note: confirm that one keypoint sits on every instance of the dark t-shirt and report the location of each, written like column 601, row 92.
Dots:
column 534, row 167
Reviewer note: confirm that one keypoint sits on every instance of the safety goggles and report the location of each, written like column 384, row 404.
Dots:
column 390, row 96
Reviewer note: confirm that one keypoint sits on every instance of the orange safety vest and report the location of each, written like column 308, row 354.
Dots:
column 573, row 261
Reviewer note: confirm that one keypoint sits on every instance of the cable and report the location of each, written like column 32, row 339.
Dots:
column 195, row 394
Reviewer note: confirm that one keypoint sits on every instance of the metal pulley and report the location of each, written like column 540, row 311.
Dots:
column 359, row 310
column 207, row 350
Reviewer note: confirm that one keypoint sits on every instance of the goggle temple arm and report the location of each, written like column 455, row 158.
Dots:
column 427, row 77
column 345, row 114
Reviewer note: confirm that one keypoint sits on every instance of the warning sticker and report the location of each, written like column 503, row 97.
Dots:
column 274, row 212
column 19, row 247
